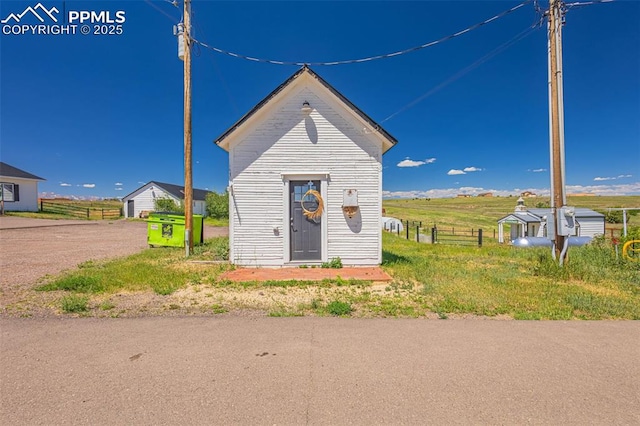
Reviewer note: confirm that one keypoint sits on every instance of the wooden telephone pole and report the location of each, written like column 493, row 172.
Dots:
column 188, row 180
column 556, row 124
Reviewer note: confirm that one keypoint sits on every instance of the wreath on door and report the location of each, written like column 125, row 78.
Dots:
column 312, row 214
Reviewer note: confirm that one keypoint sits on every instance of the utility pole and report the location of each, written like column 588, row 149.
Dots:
column 556, row 124
column 188, row 180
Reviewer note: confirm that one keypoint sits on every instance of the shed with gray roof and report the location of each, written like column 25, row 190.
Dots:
column 532, row 223
column 142, row 200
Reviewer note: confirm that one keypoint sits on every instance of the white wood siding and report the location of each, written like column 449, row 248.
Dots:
column 591, row 226
column 144, row 200
column 199, row 207
column 27, row 192
column 286, row 141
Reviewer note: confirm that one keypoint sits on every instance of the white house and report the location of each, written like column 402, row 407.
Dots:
column 142, row 199
column 18, row 189
column 305, row 170
column 527, row 222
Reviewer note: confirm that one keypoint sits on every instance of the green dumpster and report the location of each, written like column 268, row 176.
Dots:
column 167, row 229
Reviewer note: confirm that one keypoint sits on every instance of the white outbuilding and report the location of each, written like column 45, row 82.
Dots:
column 305, row 170
column 525, row 222
column 142, row 200
column 18, row 189
column 392, row 224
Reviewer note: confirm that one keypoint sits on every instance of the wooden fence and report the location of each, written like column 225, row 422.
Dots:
column 459, row 237
column 413, row 230
column 68, row 209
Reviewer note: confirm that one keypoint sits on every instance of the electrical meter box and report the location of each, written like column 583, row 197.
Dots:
column 547, row 224
column 567, row 221
column 350, row 198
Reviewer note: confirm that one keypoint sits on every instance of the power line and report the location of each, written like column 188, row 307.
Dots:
column 465, row 70
column 586, row 3
column 370, row 58
column 172, row 18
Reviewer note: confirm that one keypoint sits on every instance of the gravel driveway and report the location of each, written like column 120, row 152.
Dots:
column 33, row 248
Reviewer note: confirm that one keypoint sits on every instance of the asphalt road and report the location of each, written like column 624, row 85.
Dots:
column 247, row 370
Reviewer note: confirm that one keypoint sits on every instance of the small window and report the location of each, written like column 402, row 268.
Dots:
column 7, row 192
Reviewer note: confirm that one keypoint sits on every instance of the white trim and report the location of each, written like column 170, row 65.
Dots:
column 324, row 179
column 302, row 175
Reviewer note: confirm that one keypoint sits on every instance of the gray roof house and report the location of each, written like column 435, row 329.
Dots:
column 143, row 199
column 18, row 189
column 525, row 222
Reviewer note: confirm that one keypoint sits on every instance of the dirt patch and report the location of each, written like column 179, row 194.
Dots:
column 32, row 249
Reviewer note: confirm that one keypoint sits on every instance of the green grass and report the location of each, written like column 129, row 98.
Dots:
column 520, row 283
column 216, row 222
column 478, row 212
column 74, row 303
column 339, row 309
column 162, row 270
column 436, row 281
column 44, row 215
column 212, row 249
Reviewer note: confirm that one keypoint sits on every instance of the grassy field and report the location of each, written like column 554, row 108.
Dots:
column 480, row 212
column 95, row 208
column 432, row 281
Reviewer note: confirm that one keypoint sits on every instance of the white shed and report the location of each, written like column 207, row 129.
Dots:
column 305, row 169
column 532, row 223
column 392, row 224
column 18, row 189
column 143, row 199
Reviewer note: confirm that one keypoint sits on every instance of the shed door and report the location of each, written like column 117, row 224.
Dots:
column 130, row 209
column 306, row 235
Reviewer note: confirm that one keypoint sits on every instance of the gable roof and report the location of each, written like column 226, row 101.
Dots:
column 306, row 70
column 522, row 217
column 14, row 172
column 175, row 190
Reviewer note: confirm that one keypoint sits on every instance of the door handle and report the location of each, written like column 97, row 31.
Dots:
column 292, row 228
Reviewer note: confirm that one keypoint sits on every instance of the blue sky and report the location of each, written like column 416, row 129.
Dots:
column 98, row 115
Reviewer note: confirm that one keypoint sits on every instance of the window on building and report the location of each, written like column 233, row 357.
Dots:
column 9, row 192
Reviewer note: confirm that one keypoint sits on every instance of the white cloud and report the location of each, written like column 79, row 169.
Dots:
column 537, row 170
column 65, row 184
column 599, row 179
column 407, row 162
column 626, row 189
column 89, row 185
column 619, row 189
column 453, row 172
column 118, row 184
column 624, row 176
column 117, row 189
column 472, row 169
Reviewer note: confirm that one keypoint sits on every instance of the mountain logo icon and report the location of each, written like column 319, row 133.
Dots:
column 38, row 11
